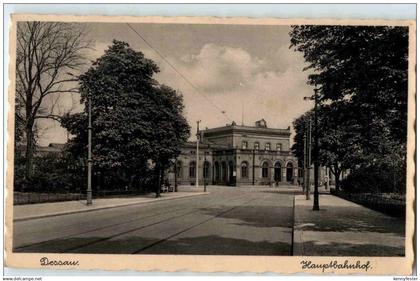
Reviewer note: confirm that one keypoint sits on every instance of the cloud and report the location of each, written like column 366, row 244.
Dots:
column 272, row 87
column 217, row 69
column 232, row 80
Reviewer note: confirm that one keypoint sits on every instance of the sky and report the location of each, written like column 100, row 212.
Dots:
column 237, row 70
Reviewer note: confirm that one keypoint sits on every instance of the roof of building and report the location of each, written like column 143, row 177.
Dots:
column 258, row 129
column 203, row 145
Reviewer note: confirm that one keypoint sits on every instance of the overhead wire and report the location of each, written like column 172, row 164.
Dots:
column 191, row 84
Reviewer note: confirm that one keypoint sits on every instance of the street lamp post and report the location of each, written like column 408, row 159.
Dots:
column 308, row 160
column 197, row 158
column 316, row 150
column 316, row 154
column 304, row 163
column 175, row 176
column 89, row 161
column 205, row 171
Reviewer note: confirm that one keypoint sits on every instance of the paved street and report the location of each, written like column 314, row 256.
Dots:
column 344, row 228
column 228, row 221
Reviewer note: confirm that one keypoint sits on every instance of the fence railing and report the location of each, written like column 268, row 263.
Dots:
column 21, row 198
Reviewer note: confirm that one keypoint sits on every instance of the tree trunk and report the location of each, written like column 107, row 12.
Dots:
column 29, row 154
column 175, row 177
column 158, row 181
column 337, row 173
column 162, row 176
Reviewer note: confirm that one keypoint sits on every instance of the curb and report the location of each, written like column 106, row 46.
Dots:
column 102, row 208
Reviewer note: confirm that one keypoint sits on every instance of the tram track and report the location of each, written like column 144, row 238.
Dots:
column 191, row 227
column 191, row 210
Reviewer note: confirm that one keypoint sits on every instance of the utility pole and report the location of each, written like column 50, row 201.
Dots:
column 205, row 171
column 304, row 174
column 175, row 176
column 242, row 112
column 308, row 160
column 316, row 155
column 253, row 166
column 197, row 158
column 89, row 161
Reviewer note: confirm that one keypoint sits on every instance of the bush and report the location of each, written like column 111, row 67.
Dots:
column 388, row 203
column 375, row 179
column 62, row 173
column 53, row 172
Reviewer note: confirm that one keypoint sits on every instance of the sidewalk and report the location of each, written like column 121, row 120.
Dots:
column 343, row 228
column 33, row 211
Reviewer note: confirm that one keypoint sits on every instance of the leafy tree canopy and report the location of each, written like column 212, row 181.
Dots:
column 134, row 118
column 366, row 66
column 361, row 76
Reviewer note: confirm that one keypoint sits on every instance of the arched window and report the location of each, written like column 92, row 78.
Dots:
column 244, row 170
column 206, row 169
column 265, row 170
column 192, row 169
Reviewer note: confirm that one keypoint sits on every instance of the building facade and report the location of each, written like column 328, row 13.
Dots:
column 238, row 156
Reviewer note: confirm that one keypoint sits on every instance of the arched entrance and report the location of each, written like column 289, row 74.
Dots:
column 179, row 170
column 289, row 172
column 224, row 172
column 206, row 170
column 216, row 172
column 192, row 171
column 231, row 178
column 277, row 172
column 265, row 172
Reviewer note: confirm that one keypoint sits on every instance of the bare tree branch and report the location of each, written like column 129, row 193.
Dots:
column 47, row 54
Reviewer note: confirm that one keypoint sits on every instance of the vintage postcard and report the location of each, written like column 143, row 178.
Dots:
column 211, row 144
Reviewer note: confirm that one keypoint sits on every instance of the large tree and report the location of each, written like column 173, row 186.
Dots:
column 135, row 119
column 361, row 76
column 366, row 66
column 339, row 147
column 47, row 54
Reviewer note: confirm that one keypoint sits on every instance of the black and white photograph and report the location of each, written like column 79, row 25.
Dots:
column 154, row 137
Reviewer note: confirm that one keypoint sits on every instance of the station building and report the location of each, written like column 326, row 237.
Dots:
column 238, row 156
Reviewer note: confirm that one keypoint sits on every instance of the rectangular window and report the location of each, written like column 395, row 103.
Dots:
column 257, row 145
column 278, row 147
column 267, row 146
column 244, row 145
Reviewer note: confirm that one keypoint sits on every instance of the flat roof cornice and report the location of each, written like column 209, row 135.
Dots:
column 245, row 130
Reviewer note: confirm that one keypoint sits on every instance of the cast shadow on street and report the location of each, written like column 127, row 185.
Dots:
column 202, row 245
column 343, row 219
column 347, row 249
column 257, row 216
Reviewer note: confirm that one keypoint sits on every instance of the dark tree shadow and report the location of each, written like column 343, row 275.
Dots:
column 257, row 216
column 347, row 249
column 346, row 218
column 203, row 245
